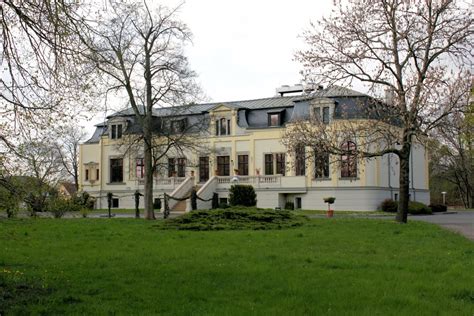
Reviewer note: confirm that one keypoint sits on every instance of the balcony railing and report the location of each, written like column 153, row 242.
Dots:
column 275, row 181
column 171, row 182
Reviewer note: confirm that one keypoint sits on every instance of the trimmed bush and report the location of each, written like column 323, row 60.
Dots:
column 289, row 205
column 438, row 208
column 60, row 206
column 389, row 206
column 234, row 219
column 242, row 195
column 416, row 208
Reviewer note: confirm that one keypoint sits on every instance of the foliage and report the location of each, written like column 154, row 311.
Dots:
column 418, row 208
column 437, row 208
column 223, row 205
column 289, row 205
column 242, row 195
column 389, row 205
column 59, row 206
column 84, row 200
column 329, row 200
column 157, row 204
column 234, row 219
column 291, row 266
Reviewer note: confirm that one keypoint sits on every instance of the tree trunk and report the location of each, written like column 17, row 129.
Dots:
column 148, row 197
column 402, row 214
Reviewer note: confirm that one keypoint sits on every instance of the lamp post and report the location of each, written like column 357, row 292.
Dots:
column 444, row 197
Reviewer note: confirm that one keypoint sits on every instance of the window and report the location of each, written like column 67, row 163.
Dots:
column 223, row 123
column 203, row 169
column 348, row 160
column 321, row 165
column 317, row 113
column 116, row 131
column 171, row 167
column 274, row 119
column 395, row 197
column 116, row 170
column 223, row 165
column 300, row 161
column 326, row 115
column 280, row 163
column 268, row 164
column 178, row 126
column 243, row 164
column 181, row 167
column 223, row 126
column 87, row 174
column 97, row 174
column 298, row 203
column 274, row 164
column 140, row 168
column 115, row 202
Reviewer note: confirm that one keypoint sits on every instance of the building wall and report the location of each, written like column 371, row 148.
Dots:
column 377, row 178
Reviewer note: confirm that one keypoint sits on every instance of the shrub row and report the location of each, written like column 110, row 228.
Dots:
column 414, row 207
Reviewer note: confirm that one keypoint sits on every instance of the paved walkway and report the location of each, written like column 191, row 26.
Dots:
column 461, row 222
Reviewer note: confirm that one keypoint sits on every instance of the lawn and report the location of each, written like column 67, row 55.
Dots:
column 328, row 266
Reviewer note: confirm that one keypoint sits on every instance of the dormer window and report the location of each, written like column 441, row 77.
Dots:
column 274, row 119
column 178, row 126
column 223, row 126
column 321, row 114
column 116, row 131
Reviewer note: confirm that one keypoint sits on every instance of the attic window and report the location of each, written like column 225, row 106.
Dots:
column 178, row 126
column 223, row 126
column 116, row 131
column 274, row 119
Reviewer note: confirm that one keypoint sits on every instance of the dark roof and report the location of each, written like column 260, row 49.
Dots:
column 254, row 113
column 263, row 103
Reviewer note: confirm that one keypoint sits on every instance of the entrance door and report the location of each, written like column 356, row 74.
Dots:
column 203, row 169
column 223, row 165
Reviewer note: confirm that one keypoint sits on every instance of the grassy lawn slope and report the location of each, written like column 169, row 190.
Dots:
column 330, row 267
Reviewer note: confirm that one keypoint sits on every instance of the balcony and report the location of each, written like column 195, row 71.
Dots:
column 263, row 182
column 168, row 183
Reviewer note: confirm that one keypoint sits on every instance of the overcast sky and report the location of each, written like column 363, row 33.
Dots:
column 244, row 49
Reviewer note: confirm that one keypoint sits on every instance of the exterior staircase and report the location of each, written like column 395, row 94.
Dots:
column 180, row 206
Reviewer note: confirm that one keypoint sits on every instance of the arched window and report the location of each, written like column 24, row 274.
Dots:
column 348, row 160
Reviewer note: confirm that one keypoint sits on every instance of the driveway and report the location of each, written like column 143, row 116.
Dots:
column 461, row 222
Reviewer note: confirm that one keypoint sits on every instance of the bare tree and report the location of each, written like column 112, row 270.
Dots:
column 414, row 49
column 139, row 51
column 454, row 156
column 42, row 77
column 32, row 171
column 67, row 144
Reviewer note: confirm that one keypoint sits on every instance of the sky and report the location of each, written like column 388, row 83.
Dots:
column 244, row 49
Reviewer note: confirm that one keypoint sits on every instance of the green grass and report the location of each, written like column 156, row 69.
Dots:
column 327, row 267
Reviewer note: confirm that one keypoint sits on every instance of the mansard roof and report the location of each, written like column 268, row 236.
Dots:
column 254, row 113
